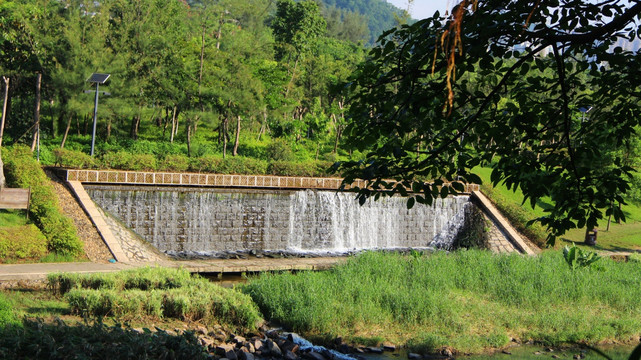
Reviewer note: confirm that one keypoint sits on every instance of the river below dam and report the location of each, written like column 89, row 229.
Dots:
column 531, row 352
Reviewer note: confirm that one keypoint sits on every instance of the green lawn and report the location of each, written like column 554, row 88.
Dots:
column 620, row 237
column 12, row 217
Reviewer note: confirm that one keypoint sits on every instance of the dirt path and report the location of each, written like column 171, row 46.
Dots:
column 95, row 248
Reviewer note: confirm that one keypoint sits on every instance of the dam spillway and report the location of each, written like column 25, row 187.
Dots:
column 208, row 222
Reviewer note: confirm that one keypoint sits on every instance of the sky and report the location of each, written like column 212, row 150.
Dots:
column 424, row 8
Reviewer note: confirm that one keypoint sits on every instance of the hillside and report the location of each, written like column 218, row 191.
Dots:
column 379, row 14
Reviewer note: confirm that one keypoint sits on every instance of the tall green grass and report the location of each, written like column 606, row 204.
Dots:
column 469, row 300
column 12, row 218
column 8, row 317
column 156, row 292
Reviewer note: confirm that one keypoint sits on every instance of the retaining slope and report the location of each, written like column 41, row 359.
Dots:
column 502, row 223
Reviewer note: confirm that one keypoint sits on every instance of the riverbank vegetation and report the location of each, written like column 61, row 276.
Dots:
column 103, row 316
column 156, row 292
column 467, row 300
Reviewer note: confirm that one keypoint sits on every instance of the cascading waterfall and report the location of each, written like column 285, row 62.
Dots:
column 211, row 222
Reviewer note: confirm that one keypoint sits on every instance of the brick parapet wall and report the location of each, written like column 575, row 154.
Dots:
column 209, row 180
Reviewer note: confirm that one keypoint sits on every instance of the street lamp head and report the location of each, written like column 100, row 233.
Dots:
column 97, row 78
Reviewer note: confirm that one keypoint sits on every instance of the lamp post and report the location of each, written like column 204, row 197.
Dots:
column 96, row 79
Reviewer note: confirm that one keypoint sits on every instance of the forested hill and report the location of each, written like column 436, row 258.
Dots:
column 379, row 14
column 356, row 20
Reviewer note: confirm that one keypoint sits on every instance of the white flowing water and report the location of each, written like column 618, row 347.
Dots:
column 210, row 222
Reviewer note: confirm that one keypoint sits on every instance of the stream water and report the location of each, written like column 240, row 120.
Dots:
column 530, row 352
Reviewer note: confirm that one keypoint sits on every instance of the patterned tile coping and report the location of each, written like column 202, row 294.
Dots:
column 208, row 180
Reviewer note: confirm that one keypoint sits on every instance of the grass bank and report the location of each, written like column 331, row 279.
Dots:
column 469, row 300
column 155, row 293
column 23, row 171
column 57, row 322
column 620, row 237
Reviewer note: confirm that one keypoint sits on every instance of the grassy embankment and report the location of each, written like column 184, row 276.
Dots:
column 621, row 237
column 469, row 300
column 57, row 320
column 49, row 235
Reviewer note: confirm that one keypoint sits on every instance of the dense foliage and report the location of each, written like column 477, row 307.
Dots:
column 215, row 76
column 23, row 171
column 541, row 92
column 39, row 340
column 468, row 300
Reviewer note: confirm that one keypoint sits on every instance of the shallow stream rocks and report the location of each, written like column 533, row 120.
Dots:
column 271, row 344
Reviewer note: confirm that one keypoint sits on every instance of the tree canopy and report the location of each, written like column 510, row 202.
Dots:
column 538, row 90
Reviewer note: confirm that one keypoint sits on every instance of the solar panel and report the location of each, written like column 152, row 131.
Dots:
column 98, row 78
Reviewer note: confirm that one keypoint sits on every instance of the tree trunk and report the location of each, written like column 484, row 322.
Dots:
column 4, row 115
column 235, row 153
column 108, row 128
column 200, row 72
column 224, row 125
column 4, row 110
column 177, row 123
column 263, row 125
column 165, row 121
column 339, row 132
column 291, row 80
column 174, row 125
column 1, row 170
column 86, row 127
column 219, row 33
column 188, row 139
column 36, row 115
column 64, row 137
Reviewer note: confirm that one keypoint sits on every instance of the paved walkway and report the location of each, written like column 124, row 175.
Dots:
column 19, row 272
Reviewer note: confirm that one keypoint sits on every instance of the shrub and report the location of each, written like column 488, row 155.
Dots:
column 229, row 165
column 61, row 233
column 144, row 162
column 250, row 147
column 242, row 165
column 22, row 242
column 308, row 168
column 279, row 150
column 288, row 168
column 125, row 161
column 73, row 159
column 24, row 172
column 177, row 163
column 208, row 163
column 116, row 160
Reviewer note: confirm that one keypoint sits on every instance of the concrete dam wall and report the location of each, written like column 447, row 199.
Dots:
column 209, row 222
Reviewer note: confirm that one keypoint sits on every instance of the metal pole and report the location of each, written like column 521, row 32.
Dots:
column 95, row 118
